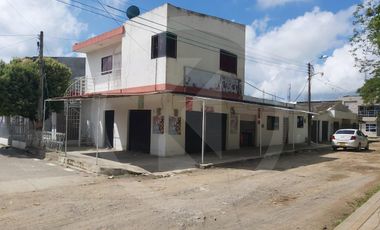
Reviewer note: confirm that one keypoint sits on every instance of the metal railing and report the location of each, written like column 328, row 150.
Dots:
column 100, row 82
column 53, row 140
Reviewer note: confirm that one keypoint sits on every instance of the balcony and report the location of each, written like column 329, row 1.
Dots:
column 208, row 81
column 100, row 82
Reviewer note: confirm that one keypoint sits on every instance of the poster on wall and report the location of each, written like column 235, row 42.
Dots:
column 233, row 124
column 174, row 125
column 158, row 124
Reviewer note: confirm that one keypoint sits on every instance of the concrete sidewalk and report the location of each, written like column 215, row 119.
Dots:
column 365, row 217
column 124, row 162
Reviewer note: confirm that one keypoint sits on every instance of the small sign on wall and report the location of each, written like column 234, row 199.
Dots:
column 174, row 125
column 158, row 123
column 233, row 124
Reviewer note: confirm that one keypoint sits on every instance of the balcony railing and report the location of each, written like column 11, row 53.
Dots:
column 100, row 82
column 201, row 79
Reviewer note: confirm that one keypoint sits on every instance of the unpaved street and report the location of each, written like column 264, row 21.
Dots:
column 309, row 190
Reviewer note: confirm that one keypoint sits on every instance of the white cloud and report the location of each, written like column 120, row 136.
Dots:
column 29, row 18
column 339, row 72
column 264, row 4
column 286, row 50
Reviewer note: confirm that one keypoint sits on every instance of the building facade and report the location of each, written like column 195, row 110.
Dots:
column 149, row 81
column 367, row 113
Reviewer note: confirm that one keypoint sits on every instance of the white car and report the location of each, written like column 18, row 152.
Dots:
column 349, row 138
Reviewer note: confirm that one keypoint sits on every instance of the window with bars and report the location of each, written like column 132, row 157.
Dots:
column 106, row 65
column 228, row 62
column 300, row 121
column 370, row 127
column 164, row 45
column 273, row 123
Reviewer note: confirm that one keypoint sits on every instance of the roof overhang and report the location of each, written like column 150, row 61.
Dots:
column 102, row 40
column 112, row 95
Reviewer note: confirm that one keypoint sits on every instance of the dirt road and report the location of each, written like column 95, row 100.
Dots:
column 309, row 190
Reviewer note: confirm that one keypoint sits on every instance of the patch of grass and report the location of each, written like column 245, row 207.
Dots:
column 358, row 202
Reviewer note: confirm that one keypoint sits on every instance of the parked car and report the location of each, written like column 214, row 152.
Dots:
column 349, row 138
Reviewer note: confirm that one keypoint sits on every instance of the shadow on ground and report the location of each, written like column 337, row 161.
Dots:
column 11, row 152
column 160, row 164
column 283, row 162
column 18, row 153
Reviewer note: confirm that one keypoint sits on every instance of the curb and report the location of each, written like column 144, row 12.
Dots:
column 362, row 215
column 210, row 165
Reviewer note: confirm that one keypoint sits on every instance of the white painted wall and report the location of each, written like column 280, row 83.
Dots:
column 95, row 80
column 206, row 31
column 167, row 144
column 133, row 50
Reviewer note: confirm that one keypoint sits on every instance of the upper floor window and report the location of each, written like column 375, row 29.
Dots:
column 106, row 65
column 164, row 45
column 228, row 61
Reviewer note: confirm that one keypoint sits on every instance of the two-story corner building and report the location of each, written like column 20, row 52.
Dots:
column 368, row 114
column 149, row 80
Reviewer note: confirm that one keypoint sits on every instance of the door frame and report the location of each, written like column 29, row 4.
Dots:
column 129, row 147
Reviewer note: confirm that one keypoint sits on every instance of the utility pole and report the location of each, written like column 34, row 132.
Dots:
column 40, row 45
column 309, row 73
column 290, row 92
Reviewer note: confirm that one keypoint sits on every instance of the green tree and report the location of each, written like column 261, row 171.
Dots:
column 20, row 80
column 20, row 90
column 366, row 47
column 57, row 80
column 366, row 36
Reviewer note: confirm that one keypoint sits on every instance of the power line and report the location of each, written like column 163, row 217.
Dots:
column 21, row 15
column 332, row 86
column 182, row 39
column 300, row 93
column 270, row 94
column 204, row 38
column 186, row 41
column 16, row 43
column 208, row 34
column 101, row 4
column 18, row 35
column 263, row 59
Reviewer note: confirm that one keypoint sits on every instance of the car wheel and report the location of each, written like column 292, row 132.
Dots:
column 359, row 148
column 334, row 148
column 367, row 147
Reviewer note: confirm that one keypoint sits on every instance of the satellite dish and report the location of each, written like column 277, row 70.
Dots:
column 133, row 11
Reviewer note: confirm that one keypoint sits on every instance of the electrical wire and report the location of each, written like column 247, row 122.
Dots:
column 204, row 38
column 301, row 92
column 208, row 34
column 183, row 40
column 16, row 43
column 190, row 41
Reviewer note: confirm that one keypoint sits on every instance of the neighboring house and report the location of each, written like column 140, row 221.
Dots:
column 146, row 88
column 331, row 116
column 77, row 65
column 368, row 114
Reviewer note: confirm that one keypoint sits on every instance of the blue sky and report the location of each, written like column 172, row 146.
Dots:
column 241, row 11
column 280, row 31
